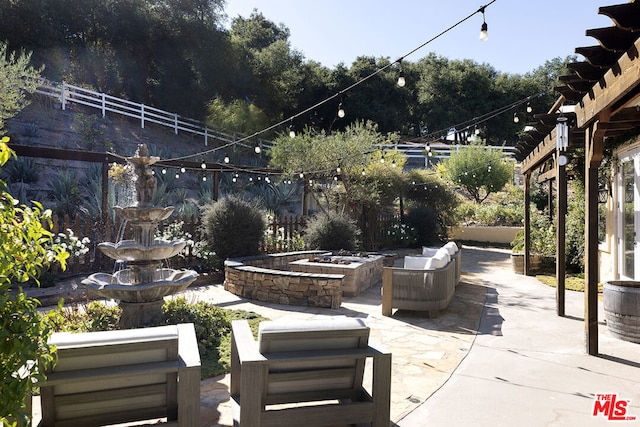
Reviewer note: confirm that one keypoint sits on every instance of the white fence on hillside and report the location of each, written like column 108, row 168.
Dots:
column 66, row 94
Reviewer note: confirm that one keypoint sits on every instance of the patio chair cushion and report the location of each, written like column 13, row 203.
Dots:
column 451, row 247
column 272, row 340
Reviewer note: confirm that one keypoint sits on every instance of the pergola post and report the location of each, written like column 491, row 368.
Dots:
column 527, row 221
column 594, row 143
column 561, row 212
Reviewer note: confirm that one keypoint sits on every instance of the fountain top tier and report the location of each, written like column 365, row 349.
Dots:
column 146, row 183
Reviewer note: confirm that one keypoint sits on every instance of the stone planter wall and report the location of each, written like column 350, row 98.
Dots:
column 264, row 278
column 503, row 235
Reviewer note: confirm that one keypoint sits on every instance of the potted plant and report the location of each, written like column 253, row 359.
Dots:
column 543, row 242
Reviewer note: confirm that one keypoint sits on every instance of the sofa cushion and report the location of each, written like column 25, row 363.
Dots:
column 439, row 260
column 416, row 262
column 427, row 251
column 451, row 247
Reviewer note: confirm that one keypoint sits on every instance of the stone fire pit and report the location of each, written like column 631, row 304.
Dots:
column 360, row 270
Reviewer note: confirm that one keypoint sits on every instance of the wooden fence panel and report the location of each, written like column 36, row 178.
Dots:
column 286, row 229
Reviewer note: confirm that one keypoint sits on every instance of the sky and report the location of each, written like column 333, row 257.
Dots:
column 523, row 34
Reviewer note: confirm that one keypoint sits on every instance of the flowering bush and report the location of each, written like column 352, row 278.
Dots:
column 278, row 242
column 173, row 232
column 198, row 249
column 70, row 243
column 403, row 234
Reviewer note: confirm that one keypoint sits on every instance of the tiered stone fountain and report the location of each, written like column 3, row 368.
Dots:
column 141, row 287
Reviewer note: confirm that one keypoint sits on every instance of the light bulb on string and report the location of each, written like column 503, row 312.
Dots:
column 204, row 178
column 341, row 112
column 484, row 29
column 177, row 175
column 393, row 163
column 203, row 165
column 164, row 171
column 363, row 172
column 257, row 149
column 401, row 80
column 338, row 169
column 292, row 132
column 529, row 107
column 182, row 169
column 516, row 119
column 226, row 158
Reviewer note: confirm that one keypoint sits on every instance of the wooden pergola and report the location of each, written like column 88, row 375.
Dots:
column 604, row 91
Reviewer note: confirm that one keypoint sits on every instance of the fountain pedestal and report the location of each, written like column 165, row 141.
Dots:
column 140, row 314
column 141, row 288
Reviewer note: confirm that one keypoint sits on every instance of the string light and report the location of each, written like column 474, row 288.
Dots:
column 164, row 171
column 203, row 165
column 516, row 119
column 204, row 178
column 177, row 175
column 529, row 107
column 257, row 148
column 341, row 112
column 292, row 132
column 401, row 80
column 182, row 169
column 484, row 33
column 226, row 159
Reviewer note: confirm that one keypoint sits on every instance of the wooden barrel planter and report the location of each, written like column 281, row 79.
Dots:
column 622, row 309
column 517, row 262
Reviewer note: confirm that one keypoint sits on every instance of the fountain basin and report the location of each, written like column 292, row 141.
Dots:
column 166, row 281
column 130, row 250
column 143, row 214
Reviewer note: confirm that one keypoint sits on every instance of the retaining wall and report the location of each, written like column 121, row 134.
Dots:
column 265, row 278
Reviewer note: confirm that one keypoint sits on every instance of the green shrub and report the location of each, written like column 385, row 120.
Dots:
column 212, row 326
column 22, row 170
column 331, row 231
column 234, row 227
column 93, row 316
column 574, row 228
column 504, row 208
column 424, row 221
column 543, row 235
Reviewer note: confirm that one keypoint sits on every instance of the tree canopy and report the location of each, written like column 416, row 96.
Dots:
column 478, row 169
column 177, row 55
